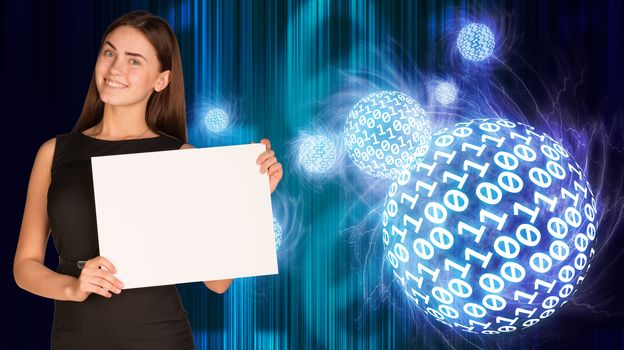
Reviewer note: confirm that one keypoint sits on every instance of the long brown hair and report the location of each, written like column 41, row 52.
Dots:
column 166, row 110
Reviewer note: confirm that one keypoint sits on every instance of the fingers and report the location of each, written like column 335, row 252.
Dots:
column 264, row 156
column 267, row 143
column 88, row 284
column 267, row 164
column 101, row 286
column 109, row 278
column 93, row 279
column 97, row 289
column 276, row 170
column 101, row 261
column 275, row 176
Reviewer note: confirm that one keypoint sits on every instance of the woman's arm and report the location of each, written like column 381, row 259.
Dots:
column 28, row 269
column 219, row 286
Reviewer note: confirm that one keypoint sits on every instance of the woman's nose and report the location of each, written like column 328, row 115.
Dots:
column 117, row 67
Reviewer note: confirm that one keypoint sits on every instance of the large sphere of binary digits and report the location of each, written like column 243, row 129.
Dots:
column 494, row 229
column 385, row 132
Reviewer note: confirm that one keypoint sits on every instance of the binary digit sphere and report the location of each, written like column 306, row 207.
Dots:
column 277, row 229
column 385, row 132
column 446, row 93
column 494, row 229
column 317, row 154
column 475, row 42
column 216, row 120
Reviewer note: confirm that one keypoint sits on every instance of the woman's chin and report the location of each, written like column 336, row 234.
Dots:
column 113, row 100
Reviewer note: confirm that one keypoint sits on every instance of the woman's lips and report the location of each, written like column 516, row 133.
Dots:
column 114, row 84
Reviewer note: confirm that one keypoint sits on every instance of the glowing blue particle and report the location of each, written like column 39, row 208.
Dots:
column 446, row 93
column 475, row 42
column 317, row 154
column 216, row 120
column 385, row 132
column 277, row 229
column 494, row 230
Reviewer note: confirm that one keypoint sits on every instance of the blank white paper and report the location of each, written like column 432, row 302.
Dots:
column 189, row 215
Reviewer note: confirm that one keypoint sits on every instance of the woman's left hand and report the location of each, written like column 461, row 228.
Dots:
column 268, row 163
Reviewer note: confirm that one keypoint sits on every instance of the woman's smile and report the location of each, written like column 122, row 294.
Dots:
column 114, row 84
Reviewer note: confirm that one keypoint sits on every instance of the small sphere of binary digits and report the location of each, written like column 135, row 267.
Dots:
column 277, row 229
column 216, row 120
column 476, row 42
column 317, row 154
column 446, row 93
column 385, row 132
column 495, row 228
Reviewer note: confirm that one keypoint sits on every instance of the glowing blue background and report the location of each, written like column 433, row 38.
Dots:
column 273, row 63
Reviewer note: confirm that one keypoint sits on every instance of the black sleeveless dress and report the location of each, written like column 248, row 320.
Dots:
column 142, row 318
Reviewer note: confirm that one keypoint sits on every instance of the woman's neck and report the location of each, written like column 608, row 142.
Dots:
column 119, row 122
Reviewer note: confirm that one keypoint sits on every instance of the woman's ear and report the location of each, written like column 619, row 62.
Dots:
column 163, row 80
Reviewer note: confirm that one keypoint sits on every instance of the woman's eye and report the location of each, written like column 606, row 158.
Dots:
column 106, row 53
column 135, row 62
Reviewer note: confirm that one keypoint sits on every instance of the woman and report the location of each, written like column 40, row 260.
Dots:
column 135, row 103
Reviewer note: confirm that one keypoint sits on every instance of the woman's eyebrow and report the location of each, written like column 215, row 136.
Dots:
column 127, row 53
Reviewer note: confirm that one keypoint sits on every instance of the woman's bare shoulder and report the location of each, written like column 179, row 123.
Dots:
column 46, row 150
column 45, row 155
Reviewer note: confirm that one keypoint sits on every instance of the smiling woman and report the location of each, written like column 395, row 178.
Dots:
column 135, row 103
column 138, row 72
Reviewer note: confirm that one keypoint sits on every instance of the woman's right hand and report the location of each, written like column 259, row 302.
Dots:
column 94, row 279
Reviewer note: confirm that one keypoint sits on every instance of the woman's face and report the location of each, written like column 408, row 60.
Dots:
column 127, row 68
